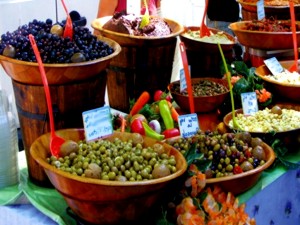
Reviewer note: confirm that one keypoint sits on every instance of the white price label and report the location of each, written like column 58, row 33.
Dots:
column 260, row 10
column 188, row 125
column 249, row 103
column 97, row 123
column 273, row 65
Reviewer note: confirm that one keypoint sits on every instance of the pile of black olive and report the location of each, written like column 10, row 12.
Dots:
column 53, row 47
column 229, row 153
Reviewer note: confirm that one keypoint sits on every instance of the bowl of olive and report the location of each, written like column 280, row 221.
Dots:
column 208, row 94
column 65, row 60
column 117, row 179
column 280, row 120
column 234, row 161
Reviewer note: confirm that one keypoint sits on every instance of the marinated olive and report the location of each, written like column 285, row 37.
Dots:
column 9, row 51
column 246, row 166
column 259, row 153
column 68, row 147
column 161, row 170
column 276, row 110
column 78, row 57
column 57, row 29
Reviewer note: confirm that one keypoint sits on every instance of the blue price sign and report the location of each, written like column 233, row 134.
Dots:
column 97, row 123
column 249, row 103
column 188, row 125
column 260, row 10
column 183, row 84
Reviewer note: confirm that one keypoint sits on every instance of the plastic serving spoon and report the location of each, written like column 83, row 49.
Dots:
column 294, row 67
column 68, row 31
column 55, row 142
column 187, row 76
column 204, row 31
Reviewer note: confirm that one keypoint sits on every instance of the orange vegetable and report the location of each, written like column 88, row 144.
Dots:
column 140, row 102
column 174, row 113
column 263, row 95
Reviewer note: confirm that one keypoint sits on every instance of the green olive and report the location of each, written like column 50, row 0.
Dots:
column 68, row 147
column 161, row 170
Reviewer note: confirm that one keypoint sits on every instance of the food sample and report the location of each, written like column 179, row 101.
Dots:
column 130, row 24
column 286, row 77
column 269, row 120
column 53, row 47
column 219, row 37
column 117, row 160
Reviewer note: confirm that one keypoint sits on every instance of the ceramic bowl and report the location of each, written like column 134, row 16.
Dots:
column 107, row 202
column 29, row 73
column 201, row 103
column 239, row 183
column 253, row 39
column 286, row 91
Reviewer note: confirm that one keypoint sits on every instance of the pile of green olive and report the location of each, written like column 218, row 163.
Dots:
column 115, row 160
column 229, row 153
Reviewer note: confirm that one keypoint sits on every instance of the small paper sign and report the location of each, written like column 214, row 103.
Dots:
column 97, row 123
column 260, row 10
column 188, row 125
column 273, row 65
column 249, row 103
column 133, row 7
column 183, row 84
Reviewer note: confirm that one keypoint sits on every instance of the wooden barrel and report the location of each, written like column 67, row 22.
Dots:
column 69, row 101
column 137, row 69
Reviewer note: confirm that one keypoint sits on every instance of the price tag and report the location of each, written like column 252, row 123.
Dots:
column 188, row 125
column 97, row 123
column 260, row 10
column 273, row 65
column 249, row 103
column 133, row 7
column 183, row 85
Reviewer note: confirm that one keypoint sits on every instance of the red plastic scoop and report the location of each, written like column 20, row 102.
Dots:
column 55, row 142
column 68, row 31
column 294, row 67
column 204, row 31
column 187, row 77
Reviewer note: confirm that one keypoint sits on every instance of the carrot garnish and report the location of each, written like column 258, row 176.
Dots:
column 140, row 102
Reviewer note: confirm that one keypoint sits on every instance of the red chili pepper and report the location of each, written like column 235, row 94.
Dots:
column 173, row 132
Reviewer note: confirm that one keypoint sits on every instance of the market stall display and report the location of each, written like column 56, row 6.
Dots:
column 104, row 201
column 208, row 94
column 145, row 63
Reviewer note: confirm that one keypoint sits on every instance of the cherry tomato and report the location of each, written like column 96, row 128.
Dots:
column 157, row 95
column 173, row 132
column 136, row 126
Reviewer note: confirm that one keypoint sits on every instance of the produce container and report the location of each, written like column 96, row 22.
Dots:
column 204, row 58
column 144, row 64
column 74, row 88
